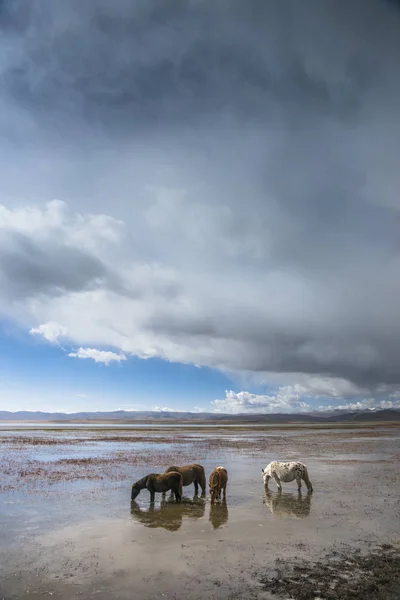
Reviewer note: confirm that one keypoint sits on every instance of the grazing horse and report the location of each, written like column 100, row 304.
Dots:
column 192, row 474
column 156, row 482
column 217, row 482
column 286, row 472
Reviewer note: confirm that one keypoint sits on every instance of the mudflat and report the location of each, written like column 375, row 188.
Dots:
column 69, row 530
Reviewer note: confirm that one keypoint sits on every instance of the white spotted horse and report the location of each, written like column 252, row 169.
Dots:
column 286, row 472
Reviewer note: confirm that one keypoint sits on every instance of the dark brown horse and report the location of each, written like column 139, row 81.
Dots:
column 159, row 482
column 192, row 474
column 217, row 483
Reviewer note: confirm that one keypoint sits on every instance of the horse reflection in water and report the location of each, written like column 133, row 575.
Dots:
column 218, row 514
column 282, row 504
column 169, row 515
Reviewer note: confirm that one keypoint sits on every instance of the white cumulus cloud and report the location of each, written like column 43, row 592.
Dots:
column 290, row 399
column 51, row 331
column 286, row 400
column 54, row 220
column 366, row 404
column 99, row 356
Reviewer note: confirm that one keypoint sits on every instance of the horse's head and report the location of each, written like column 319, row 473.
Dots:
column 213, row 485
column 213, row 492
column 266, row 475
column 135, row 491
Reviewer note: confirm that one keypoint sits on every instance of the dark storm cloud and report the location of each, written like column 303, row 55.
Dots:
column 28, row 269
column 152, row 61
column 281, row 122
column 31, row 267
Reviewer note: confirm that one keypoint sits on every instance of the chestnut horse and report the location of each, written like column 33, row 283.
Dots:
column 156, row 482
column 217, row 482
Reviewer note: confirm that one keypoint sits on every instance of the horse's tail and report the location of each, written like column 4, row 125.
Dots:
column 202, row 481
column 307, row 479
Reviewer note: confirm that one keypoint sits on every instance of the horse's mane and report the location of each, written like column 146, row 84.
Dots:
column 142, row 482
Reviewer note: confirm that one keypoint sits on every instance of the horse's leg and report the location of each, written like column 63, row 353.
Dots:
column 152, row 496
column 224, row 492
column 298, row 480
column 268, row 477
column 196, row 488
column 278, row 481
column 203, row 484
column 307, row 481
column 171, row 494
column 178, row 494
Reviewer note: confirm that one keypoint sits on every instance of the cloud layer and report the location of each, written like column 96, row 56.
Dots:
column 228, row 180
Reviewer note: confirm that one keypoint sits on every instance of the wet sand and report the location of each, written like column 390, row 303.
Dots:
column 69, row 530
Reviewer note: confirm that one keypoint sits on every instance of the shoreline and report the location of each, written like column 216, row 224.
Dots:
column 190, row 425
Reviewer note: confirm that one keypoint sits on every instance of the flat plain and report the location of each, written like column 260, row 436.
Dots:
column 69, row 530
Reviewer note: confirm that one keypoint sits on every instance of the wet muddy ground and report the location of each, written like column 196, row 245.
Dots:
column 68, row 529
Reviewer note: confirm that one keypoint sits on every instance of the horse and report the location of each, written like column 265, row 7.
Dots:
column 159, row 482
column 288, row 505
column 217, row 482
column 286, row 472
column 192, row 474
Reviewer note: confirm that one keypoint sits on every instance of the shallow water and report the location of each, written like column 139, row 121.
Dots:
column 83, row 536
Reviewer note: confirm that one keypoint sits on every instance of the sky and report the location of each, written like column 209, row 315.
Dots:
column 199, row 205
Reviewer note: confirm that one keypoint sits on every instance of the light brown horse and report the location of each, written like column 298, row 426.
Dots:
column 217, row 482
column 192, row 474
column 159, row 482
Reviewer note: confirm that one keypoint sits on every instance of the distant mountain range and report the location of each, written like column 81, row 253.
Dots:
column 150, row 416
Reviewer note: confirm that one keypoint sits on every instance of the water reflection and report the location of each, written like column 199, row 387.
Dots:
column 218, row 514
column 168, row 515
column 292, row 505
